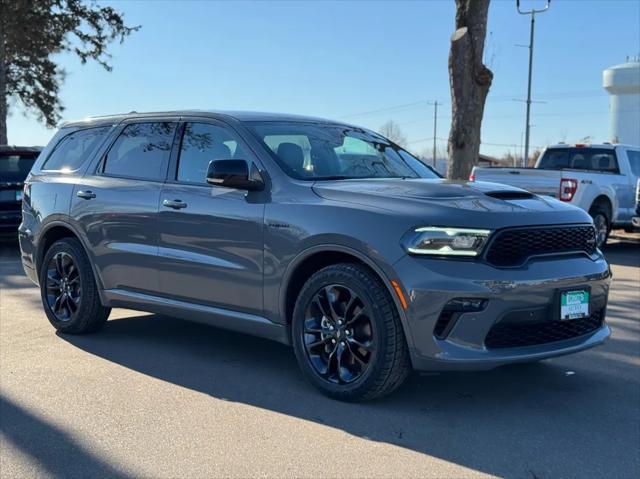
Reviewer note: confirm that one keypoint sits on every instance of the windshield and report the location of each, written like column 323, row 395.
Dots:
column 314, row 151
column 15, row 167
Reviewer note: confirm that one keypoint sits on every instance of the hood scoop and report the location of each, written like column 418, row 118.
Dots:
column 510, row 195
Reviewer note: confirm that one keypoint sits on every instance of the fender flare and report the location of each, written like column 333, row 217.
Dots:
column 60, row 222
column 606, row 193
column 385, row 276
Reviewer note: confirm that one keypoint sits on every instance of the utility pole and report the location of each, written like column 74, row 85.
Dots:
column 435, row 129
column 531, row 12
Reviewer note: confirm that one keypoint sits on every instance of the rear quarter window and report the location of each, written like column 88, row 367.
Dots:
column 74, row 149
column 634, row 161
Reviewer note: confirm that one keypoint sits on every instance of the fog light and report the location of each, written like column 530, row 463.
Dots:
column 465, row 305
column 453, row 310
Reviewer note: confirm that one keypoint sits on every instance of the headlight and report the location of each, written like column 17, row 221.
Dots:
column 446, row 241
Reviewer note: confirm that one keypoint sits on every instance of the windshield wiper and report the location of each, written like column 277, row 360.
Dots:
column 333, row 177
column 343, row 177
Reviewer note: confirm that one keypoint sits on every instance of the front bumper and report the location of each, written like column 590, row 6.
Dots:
column 526, row 296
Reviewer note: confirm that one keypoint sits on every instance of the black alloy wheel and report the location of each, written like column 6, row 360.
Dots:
column 338, row 334
column 63, row 286
column 347, row 334
column 68, row 289
column 601, row 225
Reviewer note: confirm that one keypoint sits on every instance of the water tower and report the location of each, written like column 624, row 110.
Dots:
column 623, row 84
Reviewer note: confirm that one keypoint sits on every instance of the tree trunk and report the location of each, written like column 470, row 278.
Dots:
column 3, row 86
column 470, row 80
column 3, row 106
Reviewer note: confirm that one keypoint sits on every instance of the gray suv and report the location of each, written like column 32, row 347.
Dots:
column 317, row 234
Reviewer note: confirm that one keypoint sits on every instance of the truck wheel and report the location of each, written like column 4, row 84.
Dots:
column 602, row 224
column 347, row 335
column 68, row 289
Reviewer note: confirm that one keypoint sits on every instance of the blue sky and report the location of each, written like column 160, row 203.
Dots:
column 362, row 61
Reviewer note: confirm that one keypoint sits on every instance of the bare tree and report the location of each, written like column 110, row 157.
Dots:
column 509, row 159
column 392, row 131
column 470, row 80
column 533, row 157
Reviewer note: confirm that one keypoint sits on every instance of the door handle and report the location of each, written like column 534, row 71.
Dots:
column 175, row 204
column 87, row 195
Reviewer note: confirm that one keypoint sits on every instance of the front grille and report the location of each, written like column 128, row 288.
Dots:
column 523, row 333
column 513, row 247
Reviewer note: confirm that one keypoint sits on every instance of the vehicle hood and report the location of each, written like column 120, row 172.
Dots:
column 454, row 203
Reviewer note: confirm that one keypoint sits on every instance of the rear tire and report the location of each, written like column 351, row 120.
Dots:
column 347, row 335
column 68, row 289
column 602, row 223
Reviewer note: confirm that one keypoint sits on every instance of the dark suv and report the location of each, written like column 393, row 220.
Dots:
column 317, row 234
column 15, row 163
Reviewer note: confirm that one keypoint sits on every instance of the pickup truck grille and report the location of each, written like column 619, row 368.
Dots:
column 513, row 247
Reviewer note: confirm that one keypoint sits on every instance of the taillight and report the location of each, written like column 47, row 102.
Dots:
column 568, row 189
column 472, row 175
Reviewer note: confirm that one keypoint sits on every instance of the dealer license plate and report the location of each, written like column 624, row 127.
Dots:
column 574, row 304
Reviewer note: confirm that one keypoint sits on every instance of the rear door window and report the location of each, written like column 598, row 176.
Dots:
column 74, row 149
column 141, row 151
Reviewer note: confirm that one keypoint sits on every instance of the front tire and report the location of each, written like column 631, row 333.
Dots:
column 68, row 289
column 602, row 224
column 347, row 334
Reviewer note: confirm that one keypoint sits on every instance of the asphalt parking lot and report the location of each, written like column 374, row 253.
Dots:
column 153, row 396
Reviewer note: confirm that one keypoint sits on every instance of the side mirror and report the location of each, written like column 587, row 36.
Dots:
column 233, row 174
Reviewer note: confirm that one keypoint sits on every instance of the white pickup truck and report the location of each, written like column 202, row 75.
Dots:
column 600, row 179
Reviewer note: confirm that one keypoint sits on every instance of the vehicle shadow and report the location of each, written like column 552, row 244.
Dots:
column 482, row 420
column 43, row 441
column 9, row 247
column 539, row 420
column 12, row 275
column 623, row 253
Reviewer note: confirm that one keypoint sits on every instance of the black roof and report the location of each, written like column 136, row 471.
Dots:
column 237, row 115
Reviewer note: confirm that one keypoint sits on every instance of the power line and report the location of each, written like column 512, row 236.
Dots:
column 565, row 113
column 487, row 143
column 558, row 96
column 387, row 109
